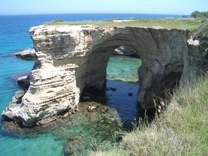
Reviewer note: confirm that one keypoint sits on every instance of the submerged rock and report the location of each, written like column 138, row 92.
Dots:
column 75, row 139
column 113, row 89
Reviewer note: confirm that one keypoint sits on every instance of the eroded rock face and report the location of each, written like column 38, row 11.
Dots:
column 71, row 58
column 196, row 59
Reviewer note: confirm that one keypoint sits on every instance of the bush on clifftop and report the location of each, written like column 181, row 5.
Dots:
column 197, row 14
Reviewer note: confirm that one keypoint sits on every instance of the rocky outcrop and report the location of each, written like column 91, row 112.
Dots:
column 69, row 59
column 27, row 54
column 24, row 81
column 16, row 100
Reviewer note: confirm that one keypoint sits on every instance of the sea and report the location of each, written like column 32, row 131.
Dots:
column 80, row 134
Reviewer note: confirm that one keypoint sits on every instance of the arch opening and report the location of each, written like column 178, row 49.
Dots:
column 118, row 87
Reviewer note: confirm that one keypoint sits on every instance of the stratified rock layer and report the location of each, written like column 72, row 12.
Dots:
column 71, row 58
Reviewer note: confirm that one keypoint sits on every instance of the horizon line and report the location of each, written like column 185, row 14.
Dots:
column 90, row 13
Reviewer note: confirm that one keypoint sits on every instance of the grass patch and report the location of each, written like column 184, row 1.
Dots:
column 171, row 23
column 180, row 130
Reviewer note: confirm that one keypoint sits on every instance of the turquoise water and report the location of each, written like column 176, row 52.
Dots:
column 30, row 146
column 54, row 140
column 97, row 131
column 123, row 68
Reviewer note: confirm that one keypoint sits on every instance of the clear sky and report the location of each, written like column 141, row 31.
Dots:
column 181, row 7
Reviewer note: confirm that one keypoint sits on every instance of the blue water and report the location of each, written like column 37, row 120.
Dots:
column 14, row 36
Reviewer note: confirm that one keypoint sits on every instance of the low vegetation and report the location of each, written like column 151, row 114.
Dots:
column 178, row 23
column 58, row 21
column 197, row 14
column 180, row 130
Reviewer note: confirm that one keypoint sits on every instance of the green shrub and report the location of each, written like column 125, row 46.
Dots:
column 197, row 14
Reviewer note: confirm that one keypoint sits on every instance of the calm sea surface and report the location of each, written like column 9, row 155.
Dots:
column 59, row 139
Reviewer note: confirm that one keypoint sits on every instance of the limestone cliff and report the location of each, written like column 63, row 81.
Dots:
column 71, row 58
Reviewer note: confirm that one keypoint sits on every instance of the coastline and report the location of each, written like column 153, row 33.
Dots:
column 6, row 96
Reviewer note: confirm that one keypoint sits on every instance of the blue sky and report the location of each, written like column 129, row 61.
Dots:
column 181, row 7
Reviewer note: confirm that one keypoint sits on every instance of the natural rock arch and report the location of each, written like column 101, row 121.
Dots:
column 94, row 66
column 70, row 58
column 159, row 49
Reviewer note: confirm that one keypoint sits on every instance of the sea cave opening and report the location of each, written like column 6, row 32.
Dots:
column 121, row 87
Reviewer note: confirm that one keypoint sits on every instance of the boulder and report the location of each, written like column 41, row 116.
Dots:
column 27, row 54
column 130, row 94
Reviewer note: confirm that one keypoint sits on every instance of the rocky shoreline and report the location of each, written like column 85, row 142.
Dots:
column 101, row 123
column 69, row 59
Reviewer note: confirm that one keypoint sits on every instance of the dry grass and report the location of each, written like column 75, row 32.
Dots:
column 181, row 130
